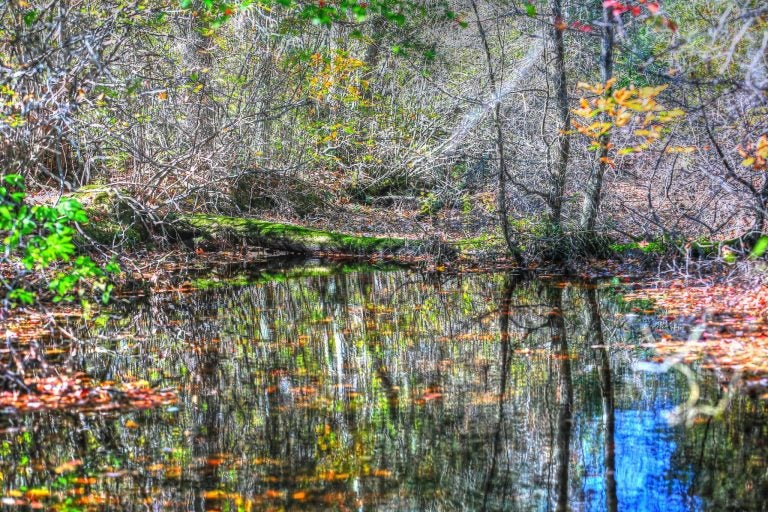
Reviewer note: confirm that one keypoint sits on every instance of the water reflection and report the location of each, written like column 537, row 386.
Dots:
column 388, row 391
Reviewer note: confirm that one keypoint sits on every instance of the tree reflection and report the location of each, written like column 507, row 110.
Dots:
column 385, row 391
column 505, row 310
column 595, row 330
column 564, row 395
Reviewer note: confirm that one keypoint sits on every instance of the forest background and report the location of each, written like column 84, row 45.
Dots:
column 546, row 128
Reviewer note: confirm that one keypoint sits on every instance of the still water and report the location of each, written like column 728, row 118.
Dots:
column 336, row 388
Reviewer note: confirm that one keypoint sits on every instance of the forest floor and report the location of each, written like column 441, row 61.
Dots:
column 470, row 226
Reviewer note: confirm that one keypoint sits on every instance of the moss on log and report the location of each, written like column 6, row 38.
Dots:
column 112, row 218
column 301, row 240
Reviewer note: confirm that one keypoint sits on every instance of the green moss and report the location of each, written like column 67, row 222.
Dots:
column 111, row 220
column 653, row 247
column 486, row 242
column 290, row 237
column 111, row 233
column 94, row 195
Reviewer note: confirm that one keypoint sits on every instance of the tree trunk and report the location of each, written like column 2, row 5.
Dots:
column 562, row 144
column 591, row 204
column 503, row 210
column 373, row 54
column 198, row 60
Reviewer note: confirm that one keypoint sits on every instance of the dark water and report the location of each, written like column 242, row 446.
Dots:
column 373, row 390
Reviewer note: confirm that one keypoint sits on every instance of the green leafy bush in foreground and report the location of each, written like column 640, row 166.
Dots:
column 38, row 257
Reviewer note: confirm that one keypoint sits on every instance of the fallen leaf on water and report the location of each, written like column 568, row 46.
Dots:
column 215, row 495
column 68, row 467
column 36, row 494
column 79, row 392
column 173, row 472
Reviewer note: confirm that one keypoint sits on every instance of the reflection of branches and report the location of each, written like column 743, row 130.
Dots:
column 688, row 411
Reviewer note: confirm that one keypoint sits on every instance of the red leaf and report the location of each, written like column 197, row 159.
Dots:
column 653, row 7
column 671, row 25
column 581, row 27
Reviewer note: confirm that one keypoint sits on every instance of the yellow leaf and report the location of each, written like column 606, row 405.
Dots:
column 666, row 116
column 173, row 472
column 583, row 112
column 621, row 96
column 599, row 128
column 681, row 149
column 762, row 147
column 623, row 118
column 650, row 92
column 595, row 89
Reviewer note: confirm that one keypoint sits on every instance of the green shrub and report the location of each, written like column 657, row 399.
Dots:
column 38, row 257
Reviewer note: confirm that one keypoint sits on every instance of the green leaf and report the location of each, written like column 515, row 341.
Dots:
column 760, row 247
column 30, row 17
column 14, row 180
column 21, row 296
column 530, row 9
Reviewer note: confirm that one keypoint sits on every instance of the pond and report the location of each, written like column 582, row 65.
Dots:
column 326, row 387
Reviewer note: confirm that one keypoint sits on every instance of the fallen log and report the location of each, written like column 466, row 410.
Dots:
column 294, row 239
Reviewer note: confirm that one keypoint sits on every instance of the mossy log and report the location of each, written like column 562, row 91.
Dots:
column 114, row 218
column 740, row 245
column 301, row 240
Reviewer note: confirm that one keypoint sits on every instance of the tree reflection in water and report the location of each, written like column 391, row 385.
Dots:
column 389, row 391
